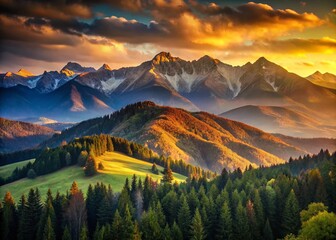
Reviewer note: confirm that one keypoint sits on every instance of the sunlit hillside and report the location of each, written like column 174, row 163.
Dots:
column 117, row 167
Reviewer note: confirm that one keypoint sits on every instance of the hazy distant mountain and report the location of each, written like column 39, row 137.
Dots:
column 311, row 145
column 326, row 79
column 51, row 123
column 203, row 84
column 15, row 135
column 281, row 120
column 199, row 138
column 69, row 103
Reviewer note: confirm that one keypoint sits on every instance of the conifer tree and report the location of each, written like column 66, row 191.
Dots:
column 48, row 230
column 134, row 188
column 267, row 232
column 166, row 235
column 184, row 218
column 259, row 210
column 197, row 230
column 291, row 215
column 241, row 225
column 91, row 210
column 9, row 223
column 154, row 169
column 48, row 212
column 90, row 168
column 76, row 214
column 176, row 232
column 30, row 216
column 127, row 223
column 117, row 226
column 150, row 226
column 74, row 188
column 167, row 174
column 224, row 226
column 84, row 233
column 66, row 234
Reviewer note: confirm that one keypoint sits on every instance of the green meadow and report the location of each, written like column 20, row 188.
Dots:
column 117, row 167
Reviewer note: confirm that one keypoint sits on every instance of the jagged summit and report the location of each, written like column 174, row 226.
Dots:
column 208, row 59
column 164, row 57
column 77, row 68
column 261, row 60
column 105, row 67
column 72, row 66
column 24, row 73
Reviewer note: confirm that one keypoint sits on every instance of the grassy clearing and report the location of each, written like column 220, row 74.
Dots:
column 6, row 171
column 116, row 168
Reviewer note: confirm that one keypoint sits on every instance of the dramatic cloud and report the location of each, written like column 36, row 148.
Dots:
column 47, row 9
column 84, row 29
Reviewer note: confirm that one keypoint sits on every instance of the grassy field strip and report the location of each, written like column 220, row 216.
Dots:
column 6, row 171
column 117, row 168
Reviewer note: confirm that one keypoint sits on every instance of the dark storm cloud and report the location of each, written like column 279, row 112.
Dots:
column 45, row 9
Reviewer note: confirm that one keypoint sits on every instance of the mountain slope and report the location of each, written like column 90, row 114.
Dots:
column 15, row 135
column 281, row 120
column 199, row 138
column 327, row 80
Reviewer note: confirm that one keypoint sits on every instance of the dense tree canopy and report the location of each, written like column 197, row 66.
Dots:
column 264, row 203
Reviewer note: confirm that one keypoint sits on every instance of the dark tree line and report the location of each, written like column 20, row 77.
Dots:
column 264, row 203
column 82, row 151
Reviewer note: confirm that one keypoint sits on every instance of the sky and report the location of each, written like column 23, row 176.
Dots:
column 42, row 35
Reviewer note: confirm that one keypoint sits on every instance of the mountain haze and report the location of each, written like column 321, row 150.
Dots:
column 282, row 120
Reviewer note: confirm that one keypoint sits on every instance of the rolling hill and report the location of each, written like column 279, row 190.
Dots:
column 198, row 138
column 16, row 135
column 117, row 167
column 283, row 120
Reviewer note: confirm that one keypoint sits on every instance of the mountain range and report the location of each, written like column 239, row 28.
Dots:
column 77, row 93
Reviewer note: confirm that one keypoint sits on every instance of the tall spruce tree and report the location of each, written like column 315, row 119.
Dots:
column 30, row 216
column 291, row 215
column 197, row 230
column 48, row 230
column 241, row 225
column 224, row 226
column 184, row 218
column 267, row 232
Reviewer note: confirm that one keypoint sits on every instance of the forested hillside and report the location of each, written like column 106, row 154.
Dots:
column 264, row 203
column 199, row 138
